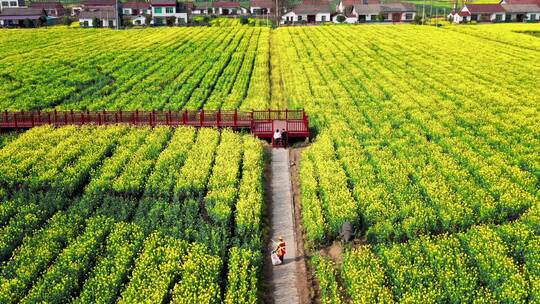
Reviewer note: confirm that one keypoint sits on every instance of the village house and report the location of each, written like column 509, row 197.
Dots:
column 481, row 13
column 198, row 8
column 99, row 13
column 53, row 9
column 22, row 17
column 308, row 12
column 361, row 11
column 103, row 17
column 398, row 12
column 167, row 12
column 136, row 12
column 228, row 8
column 262, row 7
column 521, row 12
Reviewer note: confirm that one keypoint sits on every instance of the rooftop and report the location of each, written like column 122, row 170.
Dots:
column 521, row 8
column 485, row 8
column 22, row 11
column 136, row 5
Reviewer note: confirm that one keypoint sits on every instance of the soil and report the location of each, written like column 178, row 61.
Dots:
column 305, row 278
column 266, row 285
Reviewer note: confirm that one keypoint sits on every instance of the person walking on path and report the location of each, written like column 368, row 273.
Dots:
column 284, row 137
column 277, row 138
column 280, row 248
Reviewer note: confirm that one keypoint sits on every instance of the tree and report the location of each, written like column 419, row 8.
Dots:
column 148, row 19
column 381, row 17
column 28, row 23
column 170, row 21
column 41, row 21
column 96, row 22
column 244, row 20
column 340, row 18
column 418, row 19
column 67, row 21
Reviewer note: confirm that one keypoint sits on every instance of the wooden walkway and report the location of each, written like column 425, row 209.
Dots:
column 284, row 276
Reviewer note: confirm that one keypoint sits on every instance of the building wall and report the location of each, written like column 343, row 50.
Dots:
column 91, row 22
column 8, row 4
column 179, row 18
column 254, row 9
column 533, row 16
column 292, row 17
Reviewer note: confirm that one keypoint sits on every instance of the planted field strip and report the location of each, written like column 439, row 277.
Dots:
column 89, row 237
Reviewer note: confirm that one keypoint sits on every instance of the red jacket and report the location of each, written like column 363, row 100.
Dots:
column 280, row 249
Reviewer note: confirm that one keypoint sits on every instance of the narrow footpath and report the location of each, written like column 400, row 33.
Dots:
column 285, row 276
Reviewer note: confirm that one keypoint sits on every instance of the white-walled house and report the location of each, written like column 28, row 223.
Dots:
column 16, row 16
column 308, row 12
column 105, row 12
column 228, row 8
column 199, row 8
column 358, row 13
column 164, row 10
column 481, row 13
column 521, row 12
column 136, row 12
column 389, row 12
column 398, row 12
column 106, row 17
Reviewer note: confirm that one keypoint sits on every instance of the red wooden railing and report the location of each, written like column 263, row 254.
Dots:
column 260, row 122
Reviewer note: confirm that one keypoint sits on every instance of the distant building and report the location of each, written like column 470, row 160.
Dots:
column 308, row 12
column 521, row 12
column 105, row 17
column 53, row 9
column 483, row 12
column 136, row 12
column 262, row 7
column 18, row 16
column 370, row 11
column 167, row 11
column 99, row 13
column 228, row 8
column 199, row 8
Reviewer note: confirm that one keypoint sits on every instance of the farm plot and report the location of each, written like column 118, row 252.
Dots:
column 130, row 208
column 414, row 144
column 150, row 69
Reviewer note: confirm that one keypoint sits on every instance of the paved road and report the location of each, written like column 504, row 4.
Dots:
column 284, row 276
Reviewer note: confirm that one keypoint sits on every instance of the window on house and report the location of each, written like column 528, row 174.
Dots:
column 126, row 11
column 158, row 10
column 533, row 17
column 474, row 17
column 13, row 3
column 299, row 18
column 373, row 17
column 169, row 10
column 323, row 18
column 5, row 3
column 408, row 16
column 498, row 17
column 85, row 23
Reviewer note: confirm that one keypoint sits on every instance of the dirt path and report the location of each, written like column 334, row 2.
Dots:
column 289, row 280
